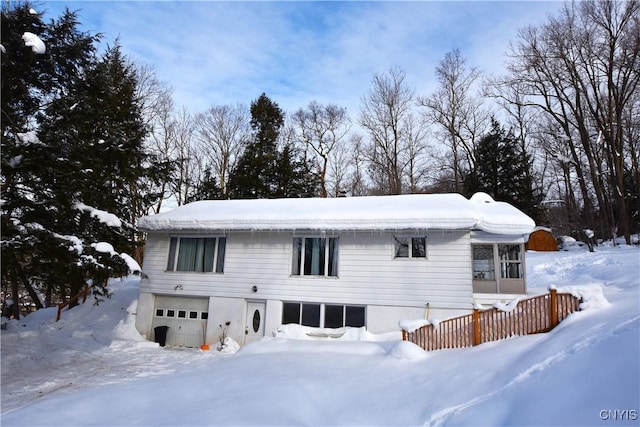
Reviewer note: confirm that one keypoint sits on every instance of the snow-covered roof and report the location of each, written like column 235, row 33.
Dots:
column 414, row 211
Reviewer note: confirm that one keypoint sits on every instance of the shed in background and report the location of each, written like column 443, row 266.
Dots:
column 541, row 239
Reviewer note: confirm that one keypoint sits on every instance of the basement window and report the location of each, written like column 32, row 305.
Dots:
column 323, row 315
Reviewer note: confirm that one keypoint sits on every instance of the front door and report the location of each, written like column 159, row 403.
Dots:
column 254, row 326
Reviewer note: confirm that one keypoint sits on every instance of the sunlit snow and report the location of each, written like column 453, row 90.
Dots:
column 105, row 217
column 94, row 368
column 427, row 211
column 33, row 41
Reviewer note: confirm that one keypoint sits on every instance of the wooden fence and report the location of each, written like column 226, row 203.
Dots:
column 530, row 316
column 83, row 293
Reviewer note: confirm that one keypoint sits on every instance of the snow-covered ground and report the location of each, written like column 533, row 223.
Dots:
column 93, row 368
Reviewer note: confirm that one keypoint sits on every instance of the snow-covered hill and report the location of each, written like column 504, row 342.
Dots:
column 93, row 368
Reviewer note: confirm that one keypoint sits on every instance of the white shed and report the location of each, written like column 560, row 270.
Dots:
column 328, row 263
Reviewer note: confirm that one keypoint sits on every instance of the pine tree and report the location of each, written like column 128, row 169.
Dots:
column 71, row 157
column 264, row 171
column 504, row 171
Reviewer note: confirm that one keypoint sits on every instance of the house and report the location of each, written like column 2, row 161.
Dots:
column 326, row 263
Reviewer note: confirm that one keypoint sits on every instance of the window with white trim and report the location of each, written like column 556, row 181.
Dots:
column 509, row 256
column 314, row 256
column 410, row 247
column 498, row 268
column 323, row 315
column 197, row 254
column 510, row 261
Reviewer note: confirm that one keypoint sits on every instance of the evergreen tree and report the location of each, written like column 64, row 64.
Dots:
column 264, row 171
column 504, row 171
column 206, row 189
column 295, row 177
column 71, row 138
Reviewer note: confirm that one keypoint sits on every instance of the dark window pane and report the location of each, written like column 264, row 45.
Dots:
column 182, row 314
column 401, row 247
column 314, row 248
column 256, row 321
column 296, row 255
column 509, row 252
column 354, row 316
column 173, row 243
column 171, row 313
column 333, row 256
column 290, row 313
column 193, row 315
column 311, row 315
column 222, row 247
column 204, row 315
column 419, row 247
column 159, row 312
column 209, row 251
column 333, row 316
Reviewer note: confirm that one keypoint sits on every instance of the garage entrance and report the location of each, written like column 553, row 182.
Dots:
column 185, row 317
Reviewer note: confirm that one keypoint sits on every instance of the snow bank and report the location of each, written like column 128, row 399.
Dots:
column 125, row 330
column 592, row 296
column 62, row 373
column 406, row 350
column 299, row 332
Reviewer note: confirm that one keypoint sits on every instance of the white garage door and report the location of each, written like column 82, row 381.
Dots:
column 185, row 317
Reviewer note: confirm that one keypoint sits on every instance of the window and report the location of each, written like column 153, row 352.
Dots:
column 510, row 262
column 410, row 247
column 199, row 254
column 498, row 268
column 315, row 256
column 483, row 265
column 302, row 314
column 323, row 315
column 337, row 316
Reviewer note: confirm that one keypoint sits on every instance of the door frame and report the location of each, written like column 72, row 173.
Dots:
column 250, row 334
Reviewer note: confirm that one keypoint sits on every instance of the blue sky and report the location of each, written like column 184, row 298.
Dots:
column 216, row 53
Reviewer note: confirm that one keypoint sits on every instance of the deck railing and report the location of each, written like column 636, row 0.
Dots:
column 530, row 316
column 73, row 300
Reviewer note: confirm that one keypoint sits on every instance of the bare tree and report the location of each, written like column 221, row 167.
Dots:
column 356, row 179
column 581, row 69
column 188, row 157
column 161, row 142
column 386, row 115
column 321, row 128
column 457, row 112
column 223, row 132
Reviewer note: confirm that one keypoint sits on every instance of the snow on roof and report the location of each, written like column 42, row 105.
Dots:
column 415, row 211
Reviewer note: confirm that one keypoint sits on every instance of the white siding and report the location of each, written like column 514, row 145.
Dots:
column 367, row 272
